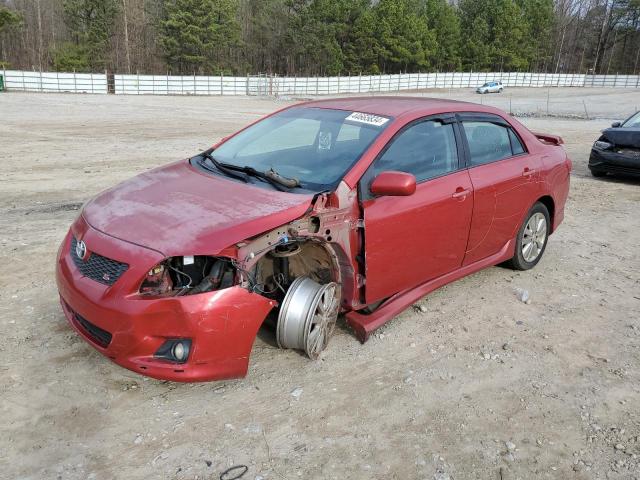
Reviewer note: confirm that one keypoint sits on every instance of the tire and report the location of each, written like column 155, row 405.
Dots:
column 530, row 245
column 598, row 173
column 500, row 91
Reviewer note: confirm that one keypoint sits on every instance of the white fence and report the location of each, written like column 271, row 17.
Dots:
column 278, row 86
column 54, row 81
column 179, row 85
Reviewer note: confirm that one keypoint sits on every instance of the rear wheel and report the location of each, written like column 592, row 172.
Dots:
column 532, row 238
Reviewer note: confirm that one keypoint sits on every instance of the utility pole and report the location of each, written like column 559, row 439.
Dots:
column 607, row 12
column 39, row 15
column 126, row 36
column 560, row 51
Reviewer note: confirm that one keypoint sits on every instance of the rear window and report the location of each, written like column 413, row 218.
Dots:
column 489, row 142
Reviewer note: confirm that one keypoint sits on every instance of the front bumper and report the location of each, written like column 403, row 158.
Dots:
column 614, row 162
column 129, row 329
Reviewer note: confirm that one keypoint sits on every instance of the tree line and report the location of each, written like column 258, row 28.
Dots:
column 320, row 37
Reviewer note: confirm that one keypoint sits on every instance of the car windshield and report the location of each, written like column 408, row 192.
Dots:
column 316, row 146
column 633, row 122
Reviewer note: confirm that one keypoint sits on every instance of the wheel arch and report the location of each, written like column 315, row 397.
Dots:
column 548, row 202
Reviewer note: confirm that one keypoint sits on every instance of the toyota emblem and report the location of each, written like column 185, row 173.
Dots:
column 81, row 250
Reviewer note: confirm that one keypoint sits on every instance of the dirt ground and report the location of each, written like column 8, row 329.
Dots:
column 478, row 386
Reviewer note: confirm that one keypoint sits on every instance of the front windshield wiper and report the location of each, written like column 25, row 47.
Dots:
column 272, row 177
column 227, row 171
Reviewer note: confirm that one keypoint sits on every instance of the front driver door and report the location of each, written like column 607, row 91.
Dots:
column 410, row 240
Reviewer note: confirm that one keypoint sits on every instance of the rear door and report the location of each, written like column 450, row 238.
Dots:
column 505, row 182
column 410, row 240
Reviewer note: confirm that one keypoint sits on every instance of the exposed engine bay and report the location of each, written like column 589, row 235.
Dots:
column 189, row 275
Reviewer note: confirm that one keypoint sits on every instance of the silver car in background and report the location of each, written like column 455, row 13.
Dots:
column 490, row 87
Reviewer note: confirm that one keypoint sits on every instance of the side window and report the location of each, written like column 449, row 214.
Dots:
column 516, row 144
column 426, row 150
column 489, row 142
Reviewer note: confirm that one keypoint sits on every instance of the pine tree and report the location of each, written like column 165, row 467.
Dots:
column 405, row 41
column 442, row 18
column 91, row 24
column 197, row 35
column 8, row 18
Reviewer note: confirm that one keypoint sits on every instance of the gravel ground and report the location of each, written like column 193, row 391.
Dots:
column 471, row 384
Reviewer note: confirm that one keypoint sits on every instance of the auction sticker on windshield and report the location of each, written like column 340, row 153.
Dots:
column 367, row 118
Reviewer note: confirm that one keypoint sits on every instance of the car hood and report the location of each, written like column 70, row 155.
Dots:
column 179, row 210
column 623, row 137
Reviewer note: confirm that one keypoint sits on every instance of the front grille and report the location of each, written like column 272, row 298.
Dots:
column 98, row 335
column 101, row 269
column 630, row 152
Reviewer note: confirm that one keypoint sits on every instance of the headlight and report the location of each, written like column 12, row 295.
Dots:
column 600, row 145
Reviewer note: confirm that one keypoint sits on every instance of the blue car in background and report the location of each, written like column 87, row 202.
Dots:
column 490, row 87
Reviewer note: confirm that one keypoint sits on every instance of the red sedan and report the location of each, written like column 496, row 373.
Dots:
column 358, row 206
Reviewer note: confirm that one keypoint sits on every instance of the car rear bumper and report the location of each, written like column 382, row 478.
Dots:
column 614, row 162
column 129, row 329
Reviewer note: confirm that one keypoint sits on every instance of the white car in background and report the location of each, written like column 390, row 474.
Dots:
column 490, row 87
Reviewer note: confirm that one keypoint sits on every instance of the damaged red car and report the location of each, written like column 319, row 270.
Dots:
column 354, row 206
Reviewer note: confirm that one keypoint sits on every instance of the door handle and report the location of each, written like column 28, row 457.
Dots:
column 527, row 172
column 461, row 193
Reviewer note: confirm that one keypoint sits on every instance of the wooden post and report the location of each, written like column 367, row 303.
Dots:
column 548, row 102
column 585, row 109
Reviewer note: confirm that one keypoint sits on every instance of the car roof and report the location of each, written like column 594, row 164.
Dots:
column 398, row 106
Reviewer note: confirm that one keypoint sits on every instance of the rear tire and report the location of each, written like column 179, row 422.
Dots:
column 598, row 173
column 532, row 238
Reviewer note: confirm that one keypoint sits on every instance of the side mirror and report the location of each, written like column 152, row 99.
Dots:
column 616, row 124
column 394, row 184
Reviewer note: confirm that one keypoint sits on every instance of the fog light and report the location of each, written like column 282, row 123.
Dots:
column 176, row 350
